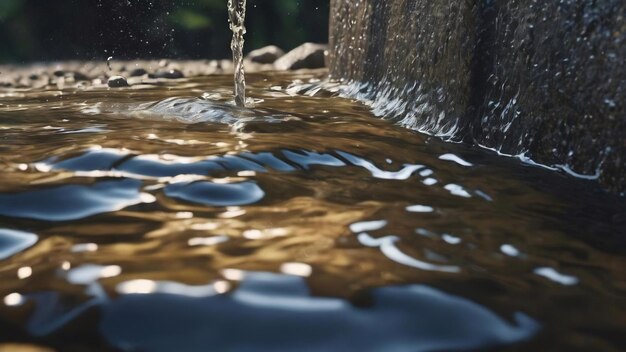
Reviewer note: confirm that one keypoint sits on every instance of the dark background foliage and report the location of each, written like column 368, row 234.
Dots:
column 44, row 30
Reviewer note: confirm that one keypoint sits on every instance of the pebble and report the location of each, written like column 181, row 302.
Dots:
column 307, row 55
column 169, row 74
column 266, row 55
column 138, row 72
column 117, row 82
column 79, row 76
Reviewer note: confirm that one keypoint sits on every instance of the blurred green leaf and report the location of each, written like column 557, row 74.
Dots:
column 9, row 8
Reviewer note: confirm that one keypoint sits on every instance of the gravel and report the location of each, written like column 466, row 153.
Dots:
column 81, row 74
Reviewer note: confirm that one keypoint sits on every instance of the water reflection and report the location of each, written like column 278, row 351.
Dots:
column 88, row 274
column 73, row 202
column 207, row 241
column 13, row 242
column 216, row 194
column 406, row 172
column 84, row 247
column 200, row 110
column 509, row 250
column 14, row 299
column 144, row 233
column 416, row 318
column 553, row 275
column 136, row 287
column 456, row 159
column 169, row 166
column 24, row 272
column 457, row 190
column 389, row 248
column 420, row 209
column 365, row 226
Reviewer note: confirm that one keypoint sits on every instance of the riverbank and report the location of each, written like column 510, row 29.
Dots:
column 114, row 73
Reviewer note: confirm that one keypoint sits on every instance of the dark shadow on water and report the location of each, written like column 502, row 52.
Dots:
column 270, row 312
column 72, row 202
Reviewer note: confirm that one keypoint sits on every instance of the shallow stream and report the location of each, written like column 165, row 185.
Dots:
column 165, row 219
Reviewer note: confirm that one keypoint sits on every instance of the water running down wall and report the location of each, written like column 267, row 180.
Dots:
column 541, row 80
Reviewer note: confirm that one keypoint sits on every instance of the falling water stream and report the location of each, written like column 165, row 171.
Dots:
column 236, row 19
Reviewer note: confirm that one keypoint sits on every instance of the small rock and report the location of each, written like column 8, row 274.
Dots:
column 40, row 83
column 266, row 55
column 307, row 55
column 79, row 76
column 168, row 74
column 60, row 82
column 24, row 83
column 117, row 82
column 138, row 72
column 226, row 65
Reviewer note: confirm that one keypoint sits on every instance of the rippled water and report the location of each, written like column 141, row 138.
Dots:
column 165, row 218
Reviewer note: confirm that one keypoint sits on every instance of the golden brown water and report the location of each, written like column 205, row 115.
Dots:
column 303, row 223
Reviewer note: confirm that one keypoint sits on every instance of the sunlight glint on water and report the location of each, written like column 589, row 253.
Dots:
column 302, row 223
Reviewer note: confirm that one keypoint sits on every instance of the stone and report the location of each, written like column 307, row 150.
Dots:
column 266, row 55
column 307, row 55
column 117, row 82
column 168, row 74
column 79, row 76
column 138, row 72
column 543, row 79
column 24, row 82
column 225, row 66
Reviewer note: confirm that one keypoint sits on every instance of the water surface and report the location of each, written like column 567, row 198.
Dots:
column 166, row 218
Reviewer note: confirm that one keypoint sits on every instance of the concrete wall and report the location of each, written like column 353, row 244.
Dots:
column 544, row 78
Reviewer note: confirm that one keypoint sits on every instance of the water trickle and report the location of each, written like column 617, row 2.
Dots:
column 109, row 59
column 236, row 20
